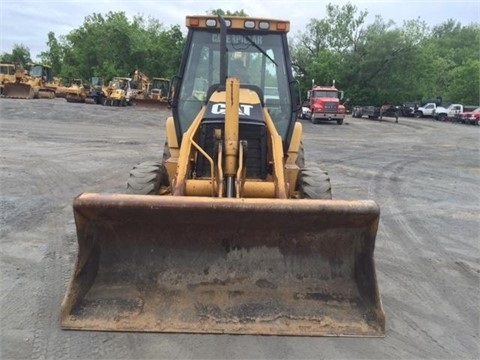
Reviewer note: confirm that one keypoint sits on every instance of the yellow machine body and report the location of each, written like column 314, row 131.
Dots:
column 231, row 239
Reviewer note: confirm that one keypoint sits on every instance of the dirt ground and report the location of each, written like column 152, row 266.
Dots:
column 424, row 174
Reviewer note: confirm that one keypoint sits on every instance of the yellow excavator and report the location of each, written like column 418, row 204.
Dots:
column 227, row 231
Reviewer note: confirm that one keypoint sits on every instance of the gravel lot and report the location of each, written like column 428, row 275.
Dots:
column 424, row 175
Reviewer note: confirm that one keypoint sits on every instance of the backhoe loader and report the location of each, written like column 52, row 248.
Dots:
column 227, row 231
column 120, row 92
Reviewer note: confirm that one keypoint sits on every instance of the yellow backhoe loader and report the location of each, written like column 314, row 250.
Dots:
column 228, row 231
column 120, row 92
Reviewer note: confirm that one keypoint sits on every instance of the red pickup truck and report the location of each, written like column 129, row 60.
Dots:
column 471, row 117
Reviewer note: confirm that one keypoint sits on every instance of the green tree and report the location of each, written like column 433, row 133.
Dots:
column 227, row 13
column 111, row 45
column 20, row 55
column 379, row 69
column 318, row 53
column 54, row 55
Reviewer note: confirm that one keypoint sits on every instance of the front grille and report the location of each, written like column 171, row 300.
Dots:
column 331, row 107
column 256, row 157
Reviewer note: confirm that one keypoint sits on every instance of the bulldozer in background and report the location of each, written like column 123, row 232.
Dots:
column 61, row 86
column 77, row 91
column 37, row 83
column 7, row 75
column 152, row 93
column 229, row 231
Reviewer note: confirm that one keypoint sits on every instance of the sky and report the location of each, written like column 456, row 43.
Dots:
column 28, row 22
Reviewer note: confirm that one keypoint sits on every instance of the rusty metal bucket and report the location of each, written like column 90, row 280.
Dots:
column 18, row 91
column 211, row 265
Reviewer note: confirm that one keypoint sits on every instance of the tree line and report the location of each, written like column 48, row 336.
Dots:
column 374, row 64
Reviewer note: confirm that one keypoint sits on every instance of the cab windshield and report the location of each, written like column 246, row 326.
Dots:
column 37, row 71
column 325, row 94
column 255, row 59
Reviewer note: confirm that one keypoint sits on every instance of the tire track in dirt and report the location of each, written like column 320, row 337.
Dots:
column 409, row 239
column 57, row 184
column 425, row 272
column 49, row 185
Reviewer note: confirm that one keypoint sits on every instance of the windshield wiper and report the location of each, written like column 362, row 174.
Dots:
column 260, row 49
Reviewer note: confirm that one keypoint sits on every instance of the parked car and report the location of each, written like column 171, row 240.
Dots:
column 471, row 117
column 305, row 112
column 450, row 113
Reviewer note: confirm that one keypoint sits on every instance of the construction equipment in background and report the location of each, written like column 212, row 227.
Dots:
column 120, row 92
column 61, row 86
column 160, row 90
column 37, row 83
column 7, row 75
column 77, row 91
column 154, row 93
column 229, row 231
column 98, row 91
column 22, row 87
column 142, row 84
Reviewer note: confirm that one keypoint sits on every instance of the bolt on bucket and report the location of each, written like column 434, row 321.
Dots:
column 219, row 265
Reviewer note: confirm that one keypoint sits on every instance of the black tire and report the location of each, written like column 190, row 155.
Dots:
column 166, row 151
column 314, row 183
column 442, row 117
column 418, row 114
column 146, row 178
column 339, row 121
column 301, row 157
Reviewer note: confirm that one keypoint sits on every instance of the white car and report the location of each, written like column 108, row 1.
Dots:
column 305, row 113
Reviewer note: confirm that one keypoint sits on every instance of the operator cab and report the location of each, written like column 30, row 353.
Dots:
column 254, row 50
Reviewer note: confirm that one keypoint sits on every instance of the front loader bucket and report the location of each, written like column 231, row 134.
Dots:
column 150, row 104
column 18, row 91
column 218, row 265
